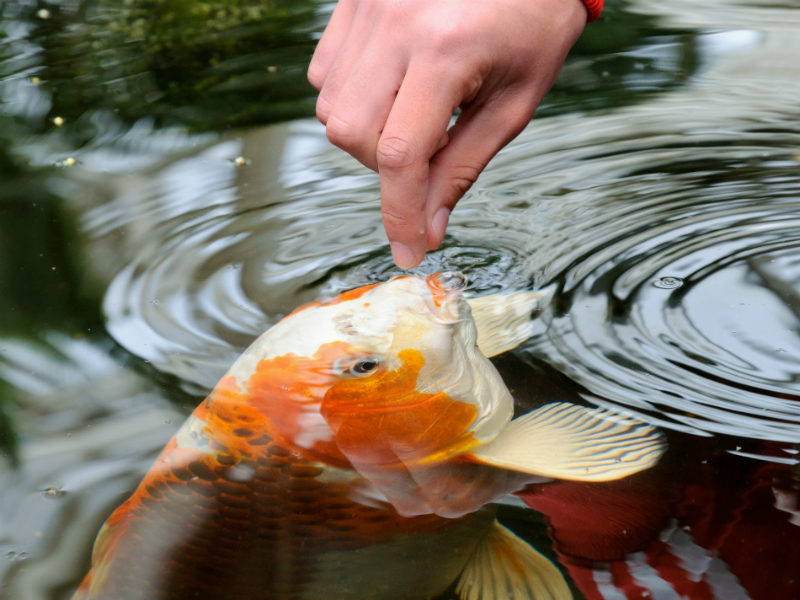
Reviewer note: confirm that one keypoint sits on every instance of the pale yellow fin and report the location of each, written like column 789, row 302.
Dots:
column 100, row 542
column 504, row 567
column 504, row 320
column 566, row 441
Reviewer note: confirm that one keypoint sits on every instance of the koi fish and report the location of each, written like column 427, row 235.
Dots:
column 352, row 452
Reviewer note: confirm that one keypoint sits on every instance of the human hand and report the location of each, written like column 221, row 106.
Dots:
column 391, row 73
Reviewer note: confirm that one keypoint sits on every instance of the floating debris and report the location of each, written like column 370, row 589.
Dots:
column 69, row 162
column 53, row 492
column 35, row 80
column 43, row 13
column 58, row 121
column 241, row 161
column 272, row 68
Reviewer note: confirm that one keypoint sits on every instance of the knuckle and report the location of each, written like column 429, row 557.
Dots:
column 341, row 133
column 470, row 84
column 519, row 116
column 316, row 75
column 323, row 109
column 395, row 153
column 447, row 37
column 394, row 219
column 463, row 177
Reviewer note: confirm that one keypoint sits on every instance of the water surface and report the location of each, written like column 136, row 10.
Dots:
column 657, row 195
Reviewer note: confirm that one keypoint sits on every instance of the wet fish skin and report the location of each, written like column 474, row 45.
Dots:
column 254, row 521
column 353, row 447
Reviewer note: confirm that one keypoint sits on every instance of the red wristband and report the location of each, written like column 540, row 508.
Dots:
column 595, row 7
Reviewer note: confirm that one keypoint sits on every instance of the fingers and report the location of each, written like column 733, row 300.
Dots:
column 362, row 107
column 346, row 60
column 331, row 42
column 415, row 130
column 479, row 133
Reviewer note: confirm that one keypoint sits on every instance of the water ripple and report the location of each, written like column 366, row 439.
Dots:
column 670, row 232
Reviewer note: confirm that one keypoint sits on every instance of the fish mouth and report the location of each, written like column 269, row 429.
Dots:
column 444, row 298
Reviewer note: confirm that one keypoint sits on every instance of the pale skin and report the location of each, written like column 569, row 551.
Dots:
column 390, row 74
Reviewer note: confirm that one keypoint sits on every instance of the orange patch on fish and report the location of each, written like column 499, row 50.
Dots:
column 352, row 294
column 383, row 421
column 380, row 421
column 285, row 392
column 343, row 297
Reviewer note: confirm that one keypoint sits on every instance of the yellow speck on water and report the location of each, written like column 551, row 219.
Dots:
column 58, row 121
column 272, row 68
column 241, row 161
column 43, row 13
column 70, row 162
column 35, row 80
column 797, row 156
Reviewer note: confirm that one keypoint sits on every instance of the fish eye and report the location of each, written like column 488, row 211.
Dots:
column 365, row 366
column 451, row 281
column 360, row 366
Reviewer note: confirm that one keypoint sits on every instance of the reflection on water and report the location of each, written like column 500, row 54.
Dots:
column 657, row 200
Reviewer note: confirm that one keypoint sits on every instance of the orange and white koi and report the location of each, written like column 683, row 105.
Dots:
column 352, row 452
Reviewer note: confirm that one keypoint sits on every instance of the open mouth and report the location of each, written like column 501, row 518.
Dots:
column 445, row 290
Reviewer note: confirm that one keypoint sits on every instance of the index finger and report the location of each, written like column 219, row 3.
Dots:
column 414, row 132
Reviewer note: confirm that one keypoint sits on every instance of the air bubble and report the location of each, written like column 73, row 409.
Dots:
column 668, row 283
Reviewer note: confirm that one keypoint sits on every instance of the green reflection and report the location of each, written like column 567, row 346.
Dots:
column 620, row 59
column 9, row 447
column 233, row 63
column 42, row 279
column 206, row 65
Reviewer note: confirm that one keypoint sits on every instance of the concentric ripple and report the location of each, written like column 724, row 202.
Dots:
column 689, row 304
column 209, row 269
column 669, row 231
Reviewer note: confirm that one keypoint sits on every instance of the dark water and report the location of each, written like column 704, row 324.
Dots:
column 657, row 195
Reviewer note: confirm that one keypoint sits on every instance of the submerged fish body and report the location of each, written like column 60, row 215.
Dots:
column 263, row 523
column 350, row 452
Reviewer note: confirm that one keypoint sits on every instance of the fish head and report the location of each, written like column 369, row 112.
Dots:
column 381, row 377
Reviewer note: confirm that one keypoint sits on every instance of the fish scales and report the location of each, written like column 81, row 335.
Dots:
column 200, row 527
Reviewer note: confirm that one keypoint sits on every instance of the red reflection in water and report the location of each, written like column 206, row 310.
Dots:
column 702, row 525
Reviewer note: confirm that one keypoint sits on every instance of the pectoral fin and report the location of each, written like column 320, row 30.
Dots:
column 503, row 566
column 504, row 320
column 566, row 441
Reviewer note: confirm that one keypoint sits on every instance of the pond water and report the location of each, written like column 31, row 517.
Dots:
column 656, row 196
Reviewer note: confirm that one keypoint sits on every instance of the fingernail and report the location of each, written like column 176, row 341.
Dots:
column 403, row 257
column 439, row 224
